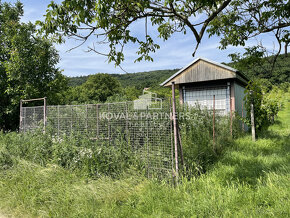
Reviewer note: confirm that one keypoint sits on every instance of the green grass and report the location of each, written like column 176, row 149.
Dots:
column 249, row 180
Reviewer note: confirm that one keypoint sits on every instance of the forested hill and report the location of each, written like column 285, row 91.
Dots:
column 252, row 68
column 261, row 68
column 144, row 79
column 139, row 80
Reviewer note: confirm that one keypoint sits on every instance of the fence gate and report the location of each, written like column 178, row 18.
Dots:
column 148, row 131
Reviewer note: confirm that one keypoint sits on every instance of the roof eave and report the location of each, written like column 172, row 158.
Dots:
column 194, row 61
column 180, row 71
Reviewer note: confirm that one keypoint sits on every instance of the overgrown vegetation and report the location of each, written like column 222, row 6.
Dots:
column 72, row 176
column 199, row 148
column 249, row 179
column 80, row 154
column 75, row 153
column 267, row 101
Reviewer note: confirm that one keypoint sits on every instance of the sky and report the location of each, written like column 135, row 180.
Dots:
column 173, row 53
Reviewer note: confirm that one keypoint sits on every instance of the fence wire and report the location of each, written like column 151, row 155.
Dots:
column 31, row 118
column 148, row 131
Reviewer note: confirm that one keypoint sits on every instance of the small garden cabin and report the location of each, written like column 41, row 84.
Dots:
column 202, row 79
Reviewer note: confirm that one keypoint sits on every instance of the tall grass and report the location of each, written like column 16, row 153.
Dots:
column 249, row 179
column 75, row 152
column 80, row 154
column 201, row 149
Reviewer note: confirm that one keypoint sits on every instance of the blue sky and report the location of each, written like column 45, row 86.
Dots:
column 174, row 53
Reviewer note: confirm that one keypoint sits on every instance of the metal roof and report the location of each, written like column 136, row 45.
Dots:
column 207, row 60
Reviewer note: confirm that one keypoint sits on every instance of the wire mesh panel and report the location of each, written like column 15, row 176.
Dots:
column 31, row 118
column 204, row 98
column 147, row 130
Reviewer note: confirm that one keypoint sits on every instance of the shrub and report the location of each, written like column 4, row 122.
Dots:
column 197, row 138
column 266, row 104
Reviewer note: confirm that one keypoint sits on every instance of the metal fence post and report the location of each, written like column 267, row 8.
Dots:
column 175, row 130
column 231, row 119
column 180, row 147
column 127, row 130
column 213, row 124
column 171, row 141
column 44, row 113
column 86, row 118
column 58, row 120
column 243, row 124
column 20, row 118
column 147, row 143
column 97, row 107
column 71, row 122
column 252, row 118
column 109, row 126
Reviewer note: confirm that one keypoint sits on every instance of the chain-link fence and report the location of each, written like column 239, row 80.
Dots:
column 148, row 131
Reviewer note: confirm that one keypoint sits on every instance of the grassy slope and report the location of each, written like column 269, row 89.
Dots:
column 251, row 179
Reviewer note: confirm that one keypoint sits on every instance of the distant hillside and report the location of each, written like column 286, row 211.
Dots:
column 144, row 79
column 77, row 80
column 280, row 74
column 263, row 69
column 139, row 80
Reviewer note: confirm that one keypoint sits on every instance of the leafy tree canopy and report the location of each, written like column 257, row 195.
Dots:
column 108, row 21
column 245, row 19
column 97, row 88
column 256, row 63
column 27, row 65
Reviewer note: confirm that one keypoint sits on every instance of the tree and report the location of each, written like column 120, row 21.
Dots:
column 109, row 21
column 244, row 19
column 256, row 62
column 27, row 66
column 97, row 88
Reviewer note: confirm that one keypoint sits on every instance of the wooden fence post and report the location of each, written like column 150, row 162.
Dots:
column 175, row 130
